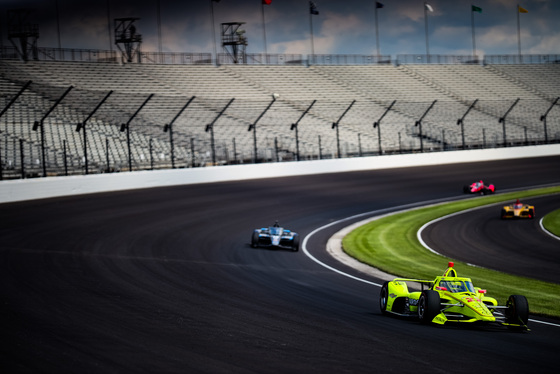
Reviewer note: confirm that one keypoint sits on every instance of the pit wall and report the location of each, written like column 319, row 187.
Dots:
column 40, row 188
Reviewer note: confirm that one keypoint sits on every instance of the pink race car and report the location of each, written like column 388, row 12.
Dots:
column 479, row 188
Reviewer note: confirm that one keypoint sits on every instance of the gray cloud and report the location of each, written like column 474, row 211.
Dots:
column 342, row 27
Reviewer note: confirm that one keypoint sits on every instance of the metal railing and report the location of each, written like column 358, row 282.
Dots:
column 263, row 59
column 298, row 59
column 184, row 58
column 521, row 59
column 175, row 58
column 85, row 55
column 348, row 59
column 437, row 59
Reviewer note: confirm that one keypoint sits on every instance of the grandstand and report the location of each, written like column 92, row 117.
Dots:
column 511, row 97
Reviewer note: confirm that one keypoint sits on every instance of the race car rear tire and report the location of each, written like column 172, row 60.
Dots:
column 384, row 297
column 517, row 311
column 295, row 243
column 255, row 239
column 429, row 306
column 466, row 189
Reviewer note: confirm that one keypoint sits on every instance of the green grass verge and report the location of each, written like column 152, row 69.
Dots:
column 390, row 244
column 551, row 222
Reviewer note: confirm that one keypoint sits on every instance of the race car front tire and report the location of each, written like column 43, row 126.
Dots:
column 517, row 311
column 429, row 306
column 503, row 214
column 384, row 297
column 295, row 243
column 255, row 239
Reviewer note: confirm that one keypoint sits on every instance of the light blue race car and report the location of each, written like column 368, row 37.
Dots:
column 275, row 236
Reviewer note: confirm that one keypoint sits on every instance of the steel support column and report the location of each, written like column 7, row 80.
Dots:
column 295, row 127
column 543, row 119
column 503, row 120
column 378, row 123
column 461, row 121
column 82, row 125
column 41, row 124
column 169, row 127
column 126, row 126
column 335, row 125
column 210, row 127
column 419, row 124
column 254, row 128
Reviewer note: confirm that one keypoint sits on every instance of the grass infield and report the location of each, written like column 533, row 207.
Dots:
column 551, row 222
column 391, row 245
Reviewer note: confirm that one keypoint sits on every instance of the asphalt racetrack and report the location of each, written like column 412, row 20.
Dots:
column 482, row 238
column 165, row 280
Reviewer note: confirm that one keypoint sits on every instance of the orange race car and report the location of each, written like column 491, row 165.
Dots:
column 518, row 210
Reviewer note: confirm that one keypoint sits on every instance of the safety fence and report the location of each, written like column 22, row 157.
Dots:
column 213, row 132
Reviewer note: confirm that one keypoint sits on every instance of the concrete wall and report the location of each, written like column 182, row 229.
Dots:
column 39, row 188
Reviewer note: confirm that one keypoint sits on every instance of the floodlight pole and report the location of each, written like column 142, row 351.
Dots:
column 419, row 124
column 426, row 27
column 461, row 120
column 264, row 33
column 503, row 120
column 254, row 127
column 41, row 124
column 335, row 125
column 210, row 127
column 377, row 30
column 126, row 126
column 295, row 127
column 543, row 118
column 169, row 127
column 378, row 123
column 83, row 126
column 214, row 33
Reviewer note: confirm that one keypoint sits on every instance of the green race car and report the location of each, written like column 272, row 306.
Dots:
column 450, row 298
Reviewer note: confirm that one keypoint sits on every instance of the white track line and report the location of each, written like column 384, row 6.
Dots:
column 377, row 214
column 546, row 231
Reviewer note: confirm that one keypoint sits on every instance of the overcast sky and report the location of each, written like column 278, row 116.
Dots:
column 342, row 26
